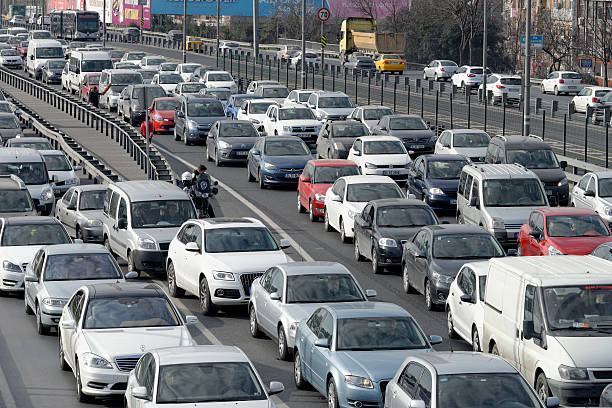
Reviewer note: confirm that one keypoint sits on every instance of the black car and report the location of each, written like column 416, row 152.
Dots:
column 385, row 225
column 336, row 138
column 52, row 71
column 432, row 258
column 134, row 99
column 229, row 141
column 131, row 34
column 536, row 155
column 416, row 135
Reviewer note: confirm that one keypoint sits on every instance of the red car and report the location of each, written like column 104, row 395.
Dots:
column 161, row 114
column 562, row 231
column 23, row 49
column 89, row 82
column 316, row 178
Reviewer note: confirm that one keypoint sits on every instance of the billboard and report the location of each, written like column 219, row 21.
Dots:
column 209, row 7
column 119, row 12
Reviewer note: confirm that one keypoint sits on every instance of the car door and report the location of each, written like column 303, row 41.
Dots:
column 356, row 154
column 70, row 335
column 404, row 391
column 272, row 307
column 253, row 159
column 268, row 119
column 470, row 213
column 176, row 255
column 70, row 218
column 122, row 233
column 418, row 181
column 337, row 202
column 578, row 191
column 323, row 145
column 463, row 315
column 61, row 206
column 411, row 259
column 320, row 360
column 112, row 214
column 179, row 122
column 194, row 259
column 306, row 185
column 531, row 246
column 122, row 98
column 581, row 101
column 31, row 288
column 147, row 380
column 589, row 194
column 210, row 140
column 421, row 264
column 531, row 350
column 363, row 227
column 306, row 340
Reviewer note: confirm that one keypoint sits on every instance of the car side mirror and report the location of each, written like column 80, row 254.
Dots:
column 69, row 324
column 141, row 393
column 563, row 164
column 474, row 202
column 122, row 223
column 180, row 114
column 467, row 298
column 357, row 152
column 71, row 207
column 589, row 193
column 192, row 247
column 31, row 278
column 131, row 275
column 275, row 296
column 54, row 179
column 275, row 388
column 435, row 340
column 285, row 243
column 535, row 234
column 191, row 320
column 323, row 343
column 256, row 152
column 371, row 293
column 552, row 402
column 529, row 331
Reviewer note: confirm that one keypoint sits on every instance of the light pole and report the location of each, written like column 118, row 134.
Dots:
column 527, row 86
column 218, row 28
column 184, row 31
column 103, row 24
column 303, row 43
column 256, row 28
column 484, row 56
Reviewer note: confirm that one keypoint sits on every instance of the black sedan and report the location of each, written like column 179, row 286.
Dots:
column 433, row 257
column 385, row 225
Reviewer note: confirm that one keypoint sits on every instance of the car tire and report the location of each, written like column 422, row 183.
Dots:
column 406, row 279
column 176, row 137
column 300, row 207
column 556, row 91
column 332, row 394
column 185, row 139
column 208, row 308
column 60, row 354
column 260, row 180
column 253, row 324
column 26, row 308
column 476, row 340
column 300, row 383
column 376, row 268
column 173, row 288
column 542, row 388
column 326, row 225
column 450, row 327
column 542, row 89
column 131, row 266
column 218, row 161
column 311, row 216
column 429, row 304
column 250, row 177
column 40, row 327
column 79, row 387
column 343, row 238
column 283, row 350
column 357, row 255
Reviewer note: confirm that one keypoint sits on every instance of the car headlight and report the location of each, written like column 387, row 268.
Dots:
column 286, row 128
column 192, row 124
column 370, row 166
column 11, row 267
column 436, row 191
column 269, row 166
column 220, row 275
column 554, row 251
column 351, row 214
column 146, row 243
column 55, row 302
column 322, row 115
column 361, row 382
column 95, row 361
column 498, row 223
column 387, row 242
column 319, row 197
column 93, row 223
column 608, row 210
column 223, row 145
column 573, row 373
column 562, row 183
column 293, row 327
column 442, row 278
column 158, row 117
column 47, row 194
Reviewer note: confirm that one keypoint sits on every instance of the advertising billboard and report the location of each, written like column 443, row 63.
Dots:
column 119, row 12
column 209, row 7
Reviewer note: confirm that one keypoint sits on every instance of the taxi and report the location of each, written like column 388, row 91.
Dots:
column 389, row 63
column 194, row 43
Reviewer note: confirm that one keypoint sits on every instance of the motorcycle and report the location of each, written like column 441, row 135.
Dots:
column 202, row 202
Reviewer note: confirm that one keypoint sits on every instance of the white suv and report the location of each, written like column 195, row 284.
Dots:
column 218, row 259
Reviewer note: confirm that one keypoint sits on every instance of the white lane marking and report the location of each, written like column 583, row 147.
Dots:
column 5, row 392
column 305, row 255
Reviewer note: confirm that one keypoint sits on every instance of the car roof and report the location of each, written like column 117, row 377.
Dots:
column 20, row 154
column 366, row 107
column 456, row 131
column 199, row 354
column 6, row 114
column 551, row 211
column 523, row 142
column 65, row 249
column 296, row 106
column 35, row 219
column 217, row 72
column 331, row 93
column 198, row 98
column 11, row 182
column 313, row 268
column 502, row 171
column 229, row 222
column 450, row 229
column 378, row 138
column 230, row 121
column 91, row 187
column 598, row 88
column 276, row 138
column 145, row 190
column 52, row 153
column 444, row 157
column 366, row 309
column 125, row 289
column 402, row 115
column 480, row 267
column 44, row 42
column 392, row 202
column 120, row 71
column 601, row 174
column 263, row 100
column 30, row 139
column 464, row 362
column 331, row 162
column 268, row 86
column 306, row 90
column 359, row 179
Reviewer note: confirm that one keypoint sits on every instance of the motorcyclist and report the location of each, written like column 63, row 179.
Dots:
column 201, row 189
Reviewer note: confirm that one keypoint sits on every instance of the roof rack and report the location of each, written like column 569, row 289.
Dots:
column 535, row 136
column 521, row 166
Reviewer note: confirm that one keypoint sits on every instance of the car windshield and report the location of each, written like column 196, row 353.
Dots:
column 275, row 92
column 57, row 64
column 166, row 105
column 384, row 147
column 365, row 192
column 57, row 162
column 604, row 186
column 92, row 200
column 466, row 246
column 391, row 57
column 155, row 61
column 407, row 124
column 116, row 53
column 8, row 122
column 239, row 129
column 485, row 388
column 405, row 216
column 376, row 114
column 571, row 75
column 222, row 76
column 5, row 107
column 295, row 114
column 239, row 240
column 96, row 65
column 24, row 44
column 329, row 174
column 220, row 94
column 510, row 81
column 260, row 107
column 582, row 308
column 513, row 193
column 170, row 79
column 445, row 170
column 205, row 109
column 576, row 225
column 16, row 201
column 50, row 52
column 152, row 93
column 533, row 159
column 192, row 88
column 147, row 75
column 135, row 56
column 79, row 266
column 286, row 148
column 168, row 66
column 33, row 145
column 335, row 102
column 31, row 173
column 323, row 288
column 34, row 234
column 125, row 65
column 77, row 44
column 10, row 53
column 123, row 312
column 350, row 130
column 379, row 333
column 194, row 383
column 126, row 78
column 477, row 139
column 190, row 68
column 303, row 96
column 87, row 23
column 161, row 214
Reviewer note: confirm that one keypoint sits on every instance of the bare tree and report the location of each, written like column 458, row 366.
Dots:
column 392, row 9
column 558, row 44
column 600, row 39
column 458, row 10
column 368, row 8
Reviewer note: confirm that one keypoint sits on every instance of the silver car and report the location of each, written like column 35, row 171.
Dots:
column 291, row 292
column 57, row 271
column 80, row 211
column 440, row 70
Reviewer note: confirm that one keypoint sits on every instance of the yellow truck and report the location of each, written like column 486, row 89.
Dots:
column 359, row 36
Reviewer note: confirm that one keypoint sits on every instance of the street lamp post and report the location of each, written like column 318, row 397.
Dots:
column 103, row 24
column 218, row 28
column 256, row 29
column 303, row 43
column 484, row 57
column 527, row 85
column 184, row 31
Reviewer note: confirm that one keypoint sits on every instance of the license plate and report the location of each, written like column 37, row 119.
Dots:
column 171, row 128
column 549, row 192
column 571, row 87
column 453, row 201
column 292, row 175
column 302, row 135
column 242, row 153
column 390, row 172
column 417, row 146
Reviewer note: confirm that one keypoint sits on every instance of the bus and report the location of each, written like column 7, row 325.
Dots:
column 75, row 24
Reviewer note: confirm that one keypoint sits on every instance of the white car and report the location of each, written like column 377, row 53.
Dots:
column 369, row 115
column 65, row 80
column 465, row 303
column 298, row 96
column 152, row 62
column 381, row 155
column 471, row 143
column 312, row 59
column 274, row 92
column 499, row 84
column 330, row 105
column 220, row 79
column 168, row 81
column 133, row 57
column 286, row 51
column 229, row 47
column 468, row 75
column 253, row 85
column 188, row 88
column 198, row 376
column 594, row 191
column 10, row 58
column 221, row 268
column 349, row 195
column 589, row 97
column 43, row 20
column 186, row 70
column 440, row 70
column 105, row 328
column 562, row 81
column 295, row 120
column 60, row 170
column 255, row 110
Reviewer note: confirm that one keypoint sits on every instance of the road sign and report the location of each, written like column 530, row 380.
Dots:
column 586, row 63
column 323, row 41
column 536, row 41
column 323, row 14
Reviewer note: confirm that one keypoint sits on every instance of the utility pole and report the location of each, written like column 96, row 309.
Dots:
column 184, row 31
column 303, row 44
column 484, row 54
column 527, row 85
column 103, row 23
column 323, row 51
column 142, row 20
column 218, row 28
column 256, row 29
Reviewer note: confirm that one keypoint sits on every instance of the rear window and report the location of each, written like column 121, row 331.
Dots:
column 601, row 93
column 448, row 64
column 571, row 75
column 510, row 81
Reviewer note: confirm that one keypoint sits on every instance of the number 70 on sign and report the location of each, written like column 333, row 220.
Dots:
column 323, row 14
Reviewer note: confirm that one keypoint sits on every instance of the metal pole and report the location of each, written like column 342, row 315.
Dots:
column 469, row 118
column 451, row 110
column 256, row 27
column 184, row 31
column 141, row 23
column 369, row 86
column 484, row 56
column 303, row 43
column 103, row 21
column 564, row 133
column 218, row 32
column 147, row 134
column 322, row 51
column 607, row 142
column 526, row 94
column 586, row 126
column 408, row 101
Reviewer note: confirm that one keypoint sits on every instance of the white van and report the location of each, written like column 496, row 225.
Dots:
column 112, row 82
column 39, row 52
column 551, row 317
column 140, row 219
column 499, row 198
column 82, row 63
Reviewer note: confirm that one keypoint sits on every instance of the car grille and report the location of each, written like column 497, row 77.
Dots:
column 336, row 117
column 247, row 280
column 120, row 386
column 477, row 159
column 288, row 170
column 550, row 184
column 60, row 183
column 415, row 139
column 450, row 194
column 307, row 129
column 163, row 246
column 127, row 363
column 602, row 374
column 204, row 127
column 513, row 226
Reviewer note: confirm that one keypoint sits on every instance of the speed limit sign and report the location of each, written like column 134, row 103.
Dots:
column 323, row 14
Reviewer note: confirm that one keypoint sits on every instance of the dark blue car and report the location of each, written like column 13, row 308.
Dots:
column 234, row 103
column 434, row 178
column 277, row 160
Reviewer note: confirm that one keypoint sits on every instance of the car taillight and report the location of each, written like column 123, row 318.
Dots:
column 318, row 59
column 442, row 69
column 594, row 100
column 561, row 81
column 286, row 52
column 500, row 86
column 581, row 81
column 471, row 75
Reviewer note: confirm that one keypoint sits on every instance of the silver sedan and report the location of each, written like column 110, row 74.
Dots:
column 80, row 211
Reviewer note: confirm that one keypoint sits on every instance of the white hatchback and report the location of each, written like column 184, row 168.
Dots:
column 589, row 96
column 499, row 85
column 562, row 81
column 381, row 155
column 471, row 143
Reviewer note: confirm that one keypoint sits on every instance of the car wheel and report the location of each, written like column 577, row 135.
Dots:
column 494, row 350
column 406, row 279
column 40, row 327
column 262, row 184
column 250, row 177
column 27, row 309
column 283, row 350
column 311, row 215
column 542, row 387
column 108, row 247
column 131, row 266
column 218, row 161
column 185, row 139
column 60, row 353
column 326, row 224
column 208, row 308
column 542, row 89
column 253, row 325
column 376, row 268
column 300, row 207
column 450, row 327
column 332, row 394
column 176, row 137
column 556, row 91
column 208, row 156
column 173, row 288
column 429, row 304
column 79, row 387
column 343, row 237
column 475, row 340
column 357, row 254
column 436, row 77
column 300, row 383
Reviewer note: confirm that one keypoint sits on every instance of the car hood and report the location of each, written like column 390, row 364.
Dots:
column 158, row 234
column 445, row 185
column 259, row 117
column 9, row 133
column 168, row 87
column 387, row 158
column 300, row 311
column 345, row 142
column 62, row 175
column 336, row 111
column 418, row 134
column 110, row 343
column 512, row 215
column 220, row 84
column 377, row 365
column 258, row 261
column 321, row 188
column 578, row 245
column 224, row 404
column 588, row 351
column 240, row 142
column 549, row 175
column 371, row 124
column 294, row 162
column 471, row 151
column 300, row 122
column 11, row 58
column 398, row 234
column 37, row 189
column 65, row 289
column 19, row 254
column 166, row 114
column 92, row 214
